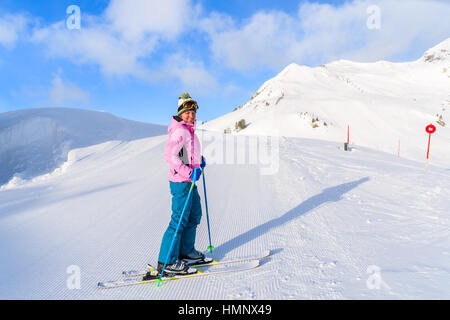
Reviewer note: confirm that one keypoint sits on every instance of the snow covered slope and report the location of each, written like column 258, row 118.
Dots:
column 384, row 103
column 359, row 224
column 36, row 141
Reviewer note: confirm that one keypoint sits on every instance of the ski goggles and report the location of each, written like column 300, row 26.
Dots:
column 188, row 106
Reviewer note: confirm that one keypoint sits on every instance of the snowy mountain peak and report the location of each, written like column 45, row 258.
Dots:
column 439, row 53
column 293, row 70
column 384, row 103
column 292, row 67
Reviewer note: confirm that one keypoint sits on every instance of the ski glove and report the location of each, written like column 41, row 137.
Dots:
column 203, row 165
column 196, row 173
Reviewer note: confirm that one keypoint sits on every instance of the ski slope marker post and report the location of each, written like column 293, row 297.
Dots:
column 346, row 145
column 430, row 129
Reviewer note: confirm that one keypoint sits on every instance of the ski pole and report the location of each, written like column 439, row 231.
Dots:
column 211, row 247
column 176, row 233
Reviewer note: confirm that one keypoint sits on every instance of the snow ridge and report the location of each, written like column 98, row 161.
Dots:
column 36, row 141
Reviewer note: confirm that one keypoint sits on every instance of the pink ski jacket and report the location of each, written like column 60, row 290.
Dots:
column 183, row 150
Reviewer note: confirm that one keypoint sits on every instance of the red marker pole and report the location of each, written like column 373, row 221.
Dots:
column 346, row 145
column 348, row 135
column 430, row 129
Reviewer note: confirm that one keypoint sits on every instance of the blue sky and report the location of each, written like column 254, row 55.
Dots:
column 133, row 58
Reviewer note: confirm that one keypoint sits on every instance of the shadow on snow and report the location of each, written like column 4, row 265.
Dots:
column 332, row 194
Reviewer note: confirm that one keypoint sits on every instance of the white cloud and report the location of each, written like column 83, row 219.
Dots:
column 192, row 74
column 342, row 32
column 134, row 19
column 122, row 39
column 126, row 34
column 10, row 28
column 321, row 33
column 94, row 44
column 64, row 93
column 262, row 41
column 213, row 23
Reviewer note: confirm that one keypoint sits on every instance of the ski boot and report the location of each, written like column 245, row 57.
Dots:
column 175, row 269
column 195, row 258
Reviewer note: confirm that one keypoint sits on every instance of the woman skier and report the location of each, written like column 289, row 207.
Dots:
column 183, row 153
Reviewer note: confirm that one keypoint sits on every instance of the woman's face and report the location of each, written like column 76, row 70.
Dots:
column 188, row 116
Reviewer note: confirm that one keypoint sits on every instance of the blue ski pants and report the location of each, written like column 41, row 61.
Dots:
column 185, row 238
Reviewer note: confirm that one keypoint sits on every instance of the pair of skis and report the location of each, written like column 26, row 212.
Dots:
column 214, row 267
